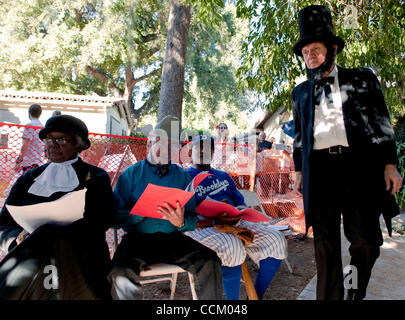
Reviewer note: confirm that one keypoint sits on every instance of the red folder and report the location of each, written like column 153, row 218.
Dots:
column 155, row 196
column 210, row 208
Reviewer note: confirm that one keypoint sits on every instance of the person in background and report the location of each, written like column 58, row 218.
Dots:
column 56, row 113
column 263, row 143
column 32, row 150
column 77, row 253
column 266, row 179
column 150, row 240
column 225, row 149
column 269, row 246
column 289, row 148
column 281, row 144
column 222, row 133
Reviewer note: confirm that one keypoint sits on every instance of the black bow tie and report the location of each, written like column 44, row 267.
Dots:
column 321, row 85
column 326, row 80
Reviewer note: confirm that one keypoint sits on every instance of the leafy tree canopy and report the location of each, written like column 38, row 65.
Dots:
column 374, row 33
column 116, row 48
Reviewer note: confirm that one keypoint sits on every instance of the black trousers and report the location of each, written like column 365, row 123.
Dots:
column 57, row 263
column 138, row 250
column 341, row 184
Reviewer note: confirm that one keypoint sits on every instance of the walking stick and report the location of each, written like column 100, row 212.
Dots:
column 246, row 236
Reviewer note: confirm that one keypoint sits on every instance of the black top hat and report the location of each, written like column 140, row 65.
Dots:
column 66, row 124
column 315, row 23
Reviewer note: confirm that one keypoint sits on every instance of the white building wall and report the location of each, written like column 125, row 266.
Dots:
column 99, row 113
column 14, row 115
column 273, row 127
column 115, row 124
column 124, row 128
column 96, row 122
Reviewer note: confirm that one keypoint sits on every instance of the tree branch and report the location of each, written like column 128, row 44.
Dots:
column 149, row 37
column 97, row 74
column 151, row 52
column 131, row 81
column 152, row 101
column 117, row 92
column 78, row 15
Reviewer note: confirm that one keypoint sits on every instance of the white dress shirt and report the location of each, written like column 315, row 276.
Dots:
column 329, row 128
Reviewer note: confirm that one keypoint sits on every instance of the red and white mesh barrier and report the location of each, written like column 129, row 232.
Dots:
column 270, row 172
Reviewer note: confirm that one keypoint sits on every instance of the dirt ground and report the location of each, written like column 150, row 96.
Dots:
column 285, row 286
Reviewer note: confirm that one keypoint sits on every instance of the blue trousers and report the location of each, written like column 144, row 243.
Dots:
column 231, row 278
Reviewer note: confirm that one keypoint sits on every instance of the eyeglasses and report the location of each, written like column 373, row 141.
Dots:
column 222, row 127
column 59, row 141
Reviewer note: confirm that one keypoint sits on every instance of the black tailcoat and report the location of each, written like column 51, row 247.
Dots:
column 368, row 129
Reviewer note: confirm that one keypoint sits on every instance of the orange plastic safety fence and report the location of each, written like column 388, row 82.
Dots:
column 269, row 173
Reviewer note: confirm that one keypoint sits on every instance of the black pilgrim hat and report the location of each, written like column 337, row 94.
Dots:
column 315, row 24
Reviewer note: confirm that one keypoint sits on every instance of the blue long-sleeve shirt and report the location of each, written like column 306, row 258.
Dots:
column 218, row 186
column 130, row 186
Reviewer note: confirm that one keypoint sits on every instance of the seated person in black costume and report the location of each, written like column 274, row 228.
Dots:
column 77, row 252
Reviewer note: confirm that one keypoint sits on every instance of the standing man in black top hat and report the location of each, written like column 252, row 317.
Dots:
column 345, row 158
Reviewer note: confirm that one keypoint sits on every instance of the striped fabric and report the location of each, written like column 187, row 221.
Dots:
column 267, row 242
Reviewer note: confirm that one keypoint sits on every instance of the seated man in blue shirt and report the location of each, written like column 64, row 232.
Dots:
column 269, row 246
column 151, row 240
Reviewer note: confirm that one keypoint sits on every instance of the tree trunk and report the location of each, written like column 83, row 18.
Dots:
column 172, row 88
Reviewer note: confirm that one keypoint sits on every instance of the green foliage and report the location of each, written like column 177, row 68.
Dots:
column 400, row 197
column 137, row 135
column 102, row 46
column 208, row 11
column 188, row 133
column 270, row 66
column 211, row 91
column 52, row 45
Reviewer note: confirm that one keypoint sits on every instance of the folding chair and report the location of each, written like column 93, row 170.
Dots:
column 253, row 201
column 162, row 269
column 160, row 272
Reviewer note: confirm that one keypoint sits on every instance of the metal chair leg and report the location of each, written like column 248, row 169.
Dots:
column 173, row 283
column 192, row 286
column 288, row 265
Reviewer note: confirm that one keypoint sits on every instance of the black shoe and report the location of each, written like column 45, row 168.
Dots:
column 353, row 295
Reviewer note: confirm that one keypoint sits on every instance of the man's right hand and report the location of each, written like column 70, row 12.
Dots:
column 297, row 188
column 223, row 218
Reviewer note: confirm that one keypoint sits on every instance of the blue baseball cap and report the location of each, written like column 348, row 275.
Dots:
column 202, row 137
